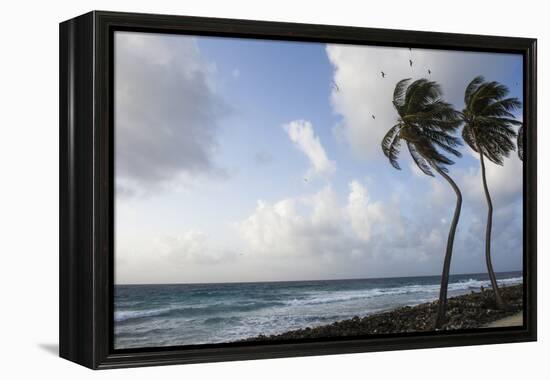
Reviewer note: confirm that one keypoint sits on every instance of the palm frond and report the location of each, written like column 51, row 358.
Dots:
column 443, row 140
column 391, row 144
column 520, row 143
column 486, row 93
column 421, row 93
column 433, row 156
column 468, row 137
column 500, row 120
column 472, row 87
column 399, row 91
column 419, row 160
column 501, row 108
column 495, row 146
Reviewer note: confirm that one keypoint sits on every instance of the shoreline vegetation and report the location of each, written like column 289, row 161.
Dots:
column 468, row 311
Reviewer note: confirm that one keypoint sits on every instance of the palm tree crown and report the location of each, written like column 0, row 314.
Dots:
column 425, row 122
column 488, row 119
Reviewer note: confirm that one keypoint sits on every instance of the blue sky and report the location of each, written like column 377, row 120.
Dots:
column 240, row 160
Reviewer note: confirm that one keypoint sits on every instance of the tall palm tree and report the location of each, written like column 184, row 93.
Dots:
column 425, row 123
column 489, row 131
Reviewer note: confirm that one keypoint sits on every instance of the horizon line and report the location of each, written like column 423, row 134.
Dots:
column 281, row 281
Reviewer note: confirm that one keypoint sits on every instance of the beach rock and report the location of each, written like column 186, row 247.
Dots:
column 468, row 311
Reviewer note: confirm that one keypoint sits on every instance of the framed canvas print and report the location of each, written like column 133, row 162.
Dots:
column 237, row 189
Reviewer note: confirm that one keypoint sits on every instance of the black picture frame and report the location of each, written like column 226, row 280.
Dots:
column 87, row 187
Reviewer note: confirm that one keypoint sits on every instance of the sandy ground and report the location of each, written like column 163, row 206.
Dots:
column 513, row 320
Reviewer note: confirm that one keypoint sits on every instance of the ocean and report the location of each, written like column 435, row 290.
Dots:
column 189, row 314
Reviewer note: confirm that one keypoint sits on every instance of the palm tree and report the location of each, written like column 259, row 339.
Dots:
column 520, row 142
column 424, row 124
column 488, row 130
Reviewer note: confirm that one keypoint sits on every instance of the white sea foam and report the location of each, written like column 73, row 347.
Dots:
column 318, row 298
column 124, row 315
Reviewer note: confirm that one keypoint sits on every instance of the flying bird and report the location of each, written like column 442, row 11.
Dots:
column 411, row 62
column 335, row 86
column 373, row 117
column 429, row 72
column 383, row 74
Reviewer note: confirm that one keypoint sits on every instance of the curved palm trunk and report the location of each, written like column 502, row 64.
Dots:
column 488, row 230
column 440, row 319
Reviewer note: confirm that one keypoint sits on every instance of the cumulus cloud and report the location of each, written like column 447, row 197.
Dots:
column 360, row 237
column 283, row 228
column 363, row 214
column 167, row 110
column 302, row 135
column 190, row 247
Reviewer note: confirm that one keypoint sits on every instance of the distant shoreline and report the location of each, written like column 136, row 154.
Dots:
column 469, row 311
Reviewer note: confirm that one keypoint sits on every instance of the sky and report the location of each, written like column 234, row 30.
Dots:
column 256, row 160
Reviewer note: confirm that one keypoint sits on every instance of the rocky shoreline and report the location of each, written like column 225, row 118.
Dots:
column 468, row 311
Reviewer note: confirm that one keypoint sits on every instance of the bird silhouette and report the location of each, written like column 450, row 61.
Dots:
column 335, row 86
column 373, row 117
column 383, row 74
column 429, row 72
column 411, row 62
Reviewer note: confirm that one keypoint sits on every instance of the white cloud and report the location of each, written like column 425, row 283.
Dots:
column 505, row 182
column 167, row 111
column 189, row 247
column 360, row 234
column 363, row 214
column 294, row 226
column 190, row 256
column 302, row 135
column 326, row 213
